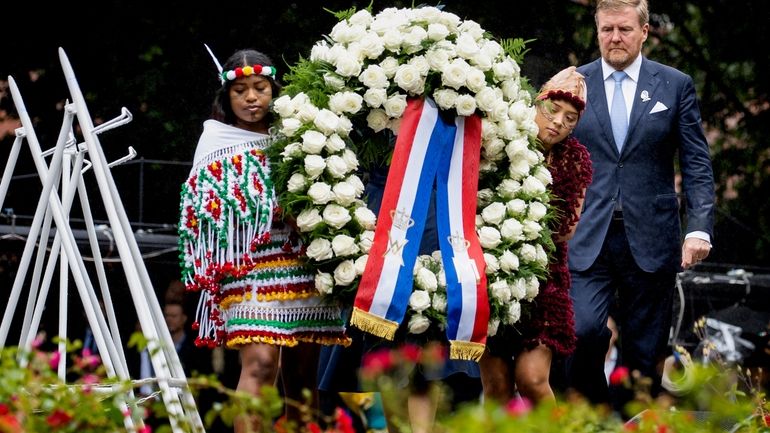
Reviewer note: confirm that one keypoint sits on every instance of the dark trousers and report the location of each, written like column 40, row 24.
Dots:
column 642, row 311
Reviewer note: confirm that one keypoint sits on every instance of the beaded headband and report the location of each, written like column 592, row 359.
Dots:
column 267, row 71
column 224, row 76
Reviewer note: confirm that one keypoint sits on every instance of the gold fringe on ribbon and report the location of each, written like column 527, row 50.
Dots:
column 372, row 324
column 467, row 350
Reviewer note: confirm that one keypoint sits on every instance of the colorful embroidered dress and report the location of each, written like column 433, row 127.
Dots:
column 254, row 286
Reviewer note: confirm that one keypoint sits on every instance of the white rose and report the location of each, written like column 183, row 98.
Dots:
column 482, row 61
column 412, row 41
column 377, row 119
column 347, row 65
column 509, row 262
column 493, row 149
column 516, row 206
column 365, row 240
column 436, row 255
column 426, row 280
column 503, row 70
column 346, row 102
column 500, row 291
column 334, row 143
column 361, row 264
column 336, row 166
column 494, row 213
column 520, row 112
column 341, row 32
column 409, row 78
column 528, row 253
column 508, row 188
column 345, row 273
column 512, row 230
column 334, row 81
column 421, row 64
column 518, row 168
column 532, row 186
column 336, row 216
column 344, row 245
column 419, row 300
column 484, row 196
column 493, row 265
column 445, row 98
column 499, row 111
column 291, row 151
column 320, row 193
column 308, row 219
column 296, row 183
column 320, row 52
column 314, row 165
column 362, row 17
column 489, row 237
column 371, row 45
column 536, row 211
column 533, row 287
column 472, row 28
column 488, row 129
column 487, row 166
column 492, row 327
column 437, row 58
column 356, row 182
column 455, row 73
column 283, row 106
column 394, row 125
column 437, row 31
column 319, row 249
column 365, row 217
column 516, row 147
column 532, row 230
column 395, row 105
column 374, row 98
column 543, row 175
column 374, row 77
column 324, row 283
column 466, row 46
column 418, row 324
column 345, row 126
column 307, row 112
column 465, row 105
column 514, row 312
column 392, row 40
column 351, row 160
column 533, row 157
column 475, row 80
column 344, row 193
column 486, row 99
column 313, row 141
column 511, row 89
column 479, row 221
column 389, row 66
column 519, row 288
column 439, row 302
column 290, row 126
column 326, row 121
column 508, row 129
column 542, row 256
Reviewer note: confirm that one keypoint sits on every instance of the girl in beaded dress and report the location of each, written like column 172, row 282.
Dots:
column 256, row 294
column 520, row 359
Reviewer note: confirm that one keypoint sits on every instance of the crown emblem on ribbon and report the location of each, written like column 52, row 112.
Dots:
column 458, row 242
column 401, row 220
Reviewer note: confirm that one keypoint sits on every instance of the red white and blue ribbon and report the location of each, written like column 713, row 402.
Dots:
column 429, row 150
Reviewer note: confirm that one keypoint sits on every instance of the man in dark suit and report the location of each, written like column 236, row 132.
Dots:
column 640, row 115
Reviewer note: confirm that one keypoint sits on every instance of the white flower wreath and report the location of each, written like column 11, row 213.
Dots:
column 354, row 85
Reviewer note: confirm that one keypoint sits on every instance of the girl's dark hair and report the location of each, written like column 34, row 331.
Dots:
column 221, row 109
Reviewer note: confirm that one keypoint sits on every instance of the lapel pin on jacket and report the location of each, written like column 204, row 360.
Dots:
column 645, row 96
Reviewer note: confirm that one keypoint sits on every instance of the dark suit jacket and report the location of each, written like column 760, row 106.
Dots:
column 644, row 170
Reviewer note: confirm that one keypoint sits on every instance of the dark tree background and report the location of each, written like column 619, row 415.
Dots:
column 149, row 57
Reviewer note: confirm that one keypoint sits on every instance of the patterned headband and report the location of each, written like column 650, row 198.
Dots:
column 267, row 71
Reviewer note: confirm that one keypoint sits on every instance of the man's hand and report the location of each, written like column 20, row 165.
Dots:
column 694, row 250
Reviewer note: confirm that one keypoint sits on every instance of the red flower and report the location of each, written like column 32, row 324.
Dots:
column 58, row 418
column 411, row 352
column 518, row 406
column 314, row 428
column 377, row 362
column 344, row 422
column 619, row 376
column 4, row 409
